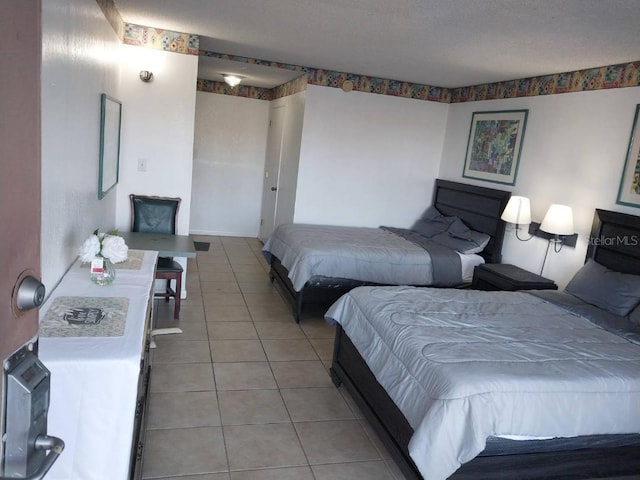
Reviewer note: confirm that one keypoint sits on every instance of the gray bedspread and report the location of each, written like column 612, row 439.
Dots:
column 367, row 254
column 465, row 365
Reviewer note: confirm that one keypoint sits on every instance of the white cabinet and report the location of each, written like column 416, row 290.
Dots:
column 99, row 373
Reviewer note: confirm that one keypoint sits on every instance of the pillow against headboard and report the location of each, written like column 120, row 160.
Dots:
column 615, row 292
column 462, row 239
column 432, row 222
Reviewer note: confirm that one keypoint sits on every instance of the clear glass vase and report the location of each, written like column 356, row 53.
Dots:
column 102, row 271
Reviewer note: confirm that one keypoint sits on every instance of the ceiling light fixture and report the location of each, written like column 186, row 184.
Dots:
column 232, row 80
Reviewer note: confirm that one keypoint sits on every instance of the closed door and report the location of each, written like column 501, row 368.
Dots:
column 272, row 171
column 20, row 156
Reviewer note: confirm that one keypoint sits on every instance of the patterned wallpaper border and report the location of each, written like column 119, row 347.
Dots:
column 290, row 88
column 160, row 39
column 255, row 93
column 149, row 37
column 600, row 78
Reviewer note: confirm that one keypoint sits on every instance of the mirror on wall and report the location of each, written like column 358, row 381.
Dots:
column 110, row 119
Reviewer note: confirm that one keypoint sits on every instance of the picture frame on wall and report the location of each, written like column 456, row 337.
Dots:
column 629, row 190
column 109, row 161
column 494, row 146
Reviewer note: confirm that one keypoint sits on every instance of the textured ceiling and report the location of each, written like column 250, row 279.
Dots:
column 445, row 43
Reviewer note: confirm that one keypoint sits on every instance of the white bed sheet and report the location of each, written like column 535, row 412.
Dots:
column 358, row 253
column 464, row 365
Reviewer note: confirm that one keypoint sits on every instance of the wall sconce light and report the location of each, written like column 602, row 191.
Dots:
column 558, row 221
column 556, row 227
column 518, row 212
column 146, row 76
column 232, row 80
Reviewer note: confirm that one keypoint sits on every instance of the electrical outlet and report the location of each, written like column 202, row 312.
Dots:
column 142, row 164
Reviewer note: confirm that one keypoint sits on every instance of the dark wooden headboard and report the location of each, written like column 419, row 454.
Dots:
column 478, row 207
column 615, row 241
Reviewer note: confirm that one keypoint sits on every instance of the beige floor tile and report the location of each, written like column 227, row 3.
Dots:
column 300, row 374
column 351, row 402
column 257, row 286
column 188, row 313
column 183, row 409
column 212, row 300
column 250, row 268
column 290, row 473
column 289, row 349
column 222, row 286
column 237, row 351
column 211, row 257
column 377, row 442
column 323, row 347
column 310, row 404
column 232, row 331
column 210, row 275
column 348, row 471
column 272, row 298
column 184, row 451
column 248, row 407
column 243, row 258
column 398, row 475
column 206, row 476
column 234, row 313
column 317, row 327
column 244, row 376
column 205, row 269
column 279, row 330
column 335, row 442
column 255, row 276
column 262, row 446
column 182, row 351
column 218, row 276
column 185, row 377
column 279, row 314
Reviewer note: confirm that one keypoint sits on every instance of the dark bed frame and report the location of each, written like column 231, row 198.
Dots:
column 479, row 207
column 613, row 243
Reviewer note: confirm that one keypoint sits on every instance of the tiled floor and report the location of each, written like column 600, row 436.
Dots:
column 244, row 393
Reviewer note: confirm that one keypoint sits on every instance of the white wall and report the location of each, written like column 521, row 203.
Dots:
column 157, row 126
column 573, row 153
column 228, row 164
column 366, row 159
column 79, row 62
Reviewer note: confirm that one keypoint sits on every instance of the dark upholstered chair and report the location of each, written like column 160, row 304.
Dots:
column 158, row 215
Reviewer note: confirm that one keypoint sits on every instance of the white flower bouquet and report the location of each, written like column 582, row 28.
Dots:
column 108, row 245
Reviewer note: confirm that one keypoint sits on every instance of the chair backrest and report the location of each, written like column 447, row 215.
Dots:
column 154, row 214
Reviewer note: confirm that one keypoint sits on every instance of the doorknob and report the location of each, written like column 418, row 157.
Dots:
column 274, row 189
column 30, row 293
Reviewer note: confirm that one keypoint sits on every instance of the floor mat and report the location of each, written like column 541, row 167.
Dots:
column 201, row 246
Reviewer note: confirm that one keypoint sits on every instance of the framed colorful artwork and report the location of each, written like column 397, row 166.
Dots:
column 629, row 191
column 494, row 146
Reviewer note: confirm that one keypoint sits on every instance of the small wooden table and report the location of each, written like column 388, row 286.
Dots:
column 503, row 276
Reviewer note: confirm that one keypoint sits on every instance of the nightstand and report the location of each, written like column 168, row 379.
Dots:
column 502, row 276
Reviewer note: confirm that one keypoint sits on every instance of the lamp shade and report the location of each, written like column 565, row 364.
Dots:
column 558, row 220
column 518, row 211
